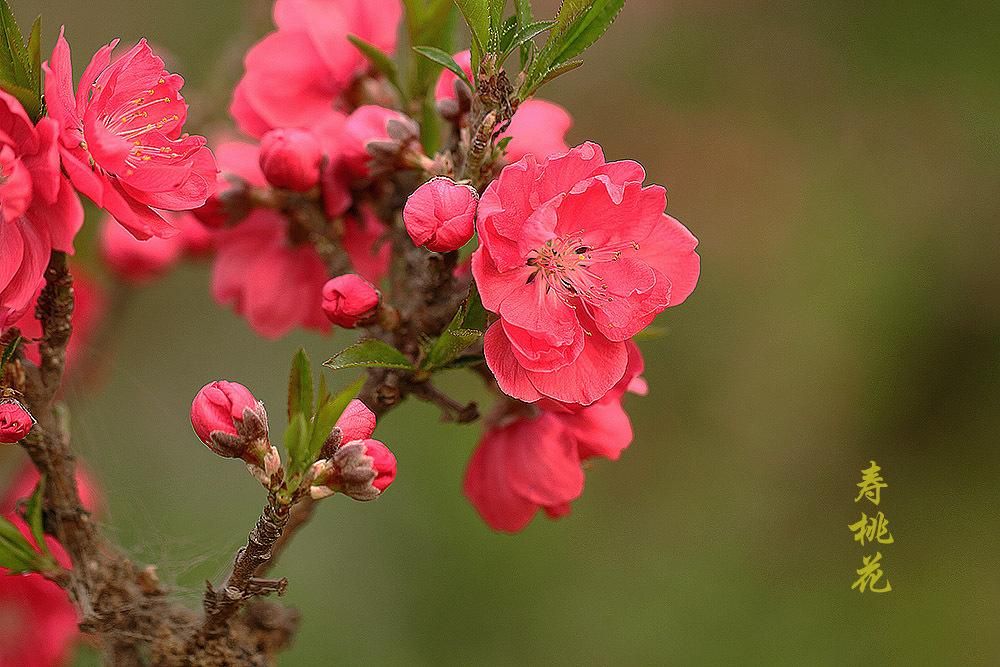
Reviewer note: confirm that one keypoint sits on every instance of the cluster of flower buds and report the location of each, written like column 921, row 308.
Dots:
column 351, row 462
column 233, row 424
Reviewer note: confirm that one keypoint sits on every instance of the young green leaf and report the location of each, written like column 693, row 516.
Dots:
column 444, row 59
column 380, row 60
column 8, row 351
column 16, row 75
column 526, row 34
column 16, row 553
column 448, row 346
column 369, row 353
column 579, row 24
column 323, row 393
column 503, row 35
column 560, row 70
column 431, row 23
column 297, row 437
column 327, row 416
column 35, row 53
column 583, row 27
column 300, row 386
column 477, row 16
column 524, row 17
column 475, row 314
column 33, row 514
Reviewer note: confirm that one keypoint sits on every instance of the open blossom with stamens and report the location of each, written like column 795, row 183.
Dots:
column 576, row 257
column 121, row 137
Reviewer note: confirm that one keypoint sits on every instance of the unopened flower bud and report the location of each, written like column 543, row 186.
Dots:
column 290, row 158
column 375, row 138
column 361, row 469
column 350, row 300
column 15, row 421
column 440, row 214
column 232, row 423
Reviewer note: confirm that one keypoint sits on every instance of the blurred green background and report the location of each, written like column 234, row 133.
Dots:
column 839, row 163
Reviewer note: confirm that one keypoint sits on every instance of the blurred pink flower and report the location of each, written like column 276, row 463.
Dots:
column 366, row 245
column 576, row 257
column 122, row 140
column 39, row 211
column 39, row 622
column 298, row 73
column 444, row 89
column 538, row 128
column 275, row 285
column 364, row 126
column 89, row 308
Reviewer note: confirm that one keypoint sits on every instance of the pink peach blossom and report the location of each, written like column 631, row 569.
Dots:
column 440, row 214
column 576, row 257
column 39, row 211
column 538, row 128
column 15, row 421
column 298, row 73
column 366, row 245
column 121, row 137
column 276, row 285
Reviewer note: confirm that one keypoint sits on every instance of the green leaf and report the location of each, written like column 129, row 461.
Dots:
column 476, row 315
column 323, row 394
column 465, row 328
column 369, row 353
column 580, row 23
column 526, row 34
column 300, row 386
column 297, row 437
column 464, row 361
column 15, row 64
column 16, row 553
column 8, row 352
column 560, row 70
column 33, row 515
column 382, row 62
column 445, row 60
column 431, row 23
column 477, row 16
column 327, row 416
column 502, row 36
column 430, row 125
column 524, row 17
column 449, row 345
column 497, row 25
column 35, row 53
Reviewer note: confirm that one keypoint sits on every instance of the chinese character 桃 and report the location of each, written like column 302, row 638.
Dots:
column 871, row 484
column 870, row 574
column 871, row 529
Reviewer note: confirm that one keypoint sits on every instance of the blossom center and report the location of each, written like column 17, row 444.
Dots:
column 565, row 264
column 132, row 122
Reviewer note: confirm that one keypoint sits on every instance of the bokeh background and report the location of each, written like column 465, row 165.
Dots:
column 839, row 162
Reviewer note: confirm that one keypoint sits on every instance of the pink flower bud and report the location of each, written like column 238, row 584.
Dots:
column 440, row 215
column 361, row 469
column 350, row 300
column 15, row 421
column 137, row 261
column 220, row 407
column 384, row 463
column 290, row 158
